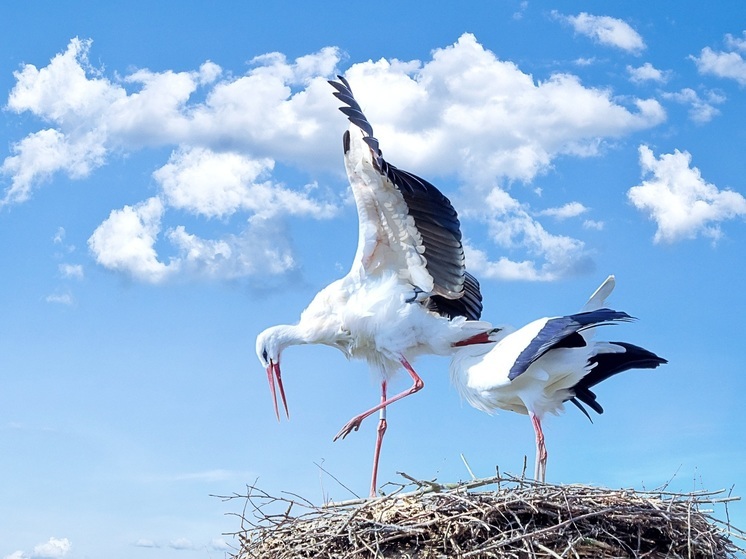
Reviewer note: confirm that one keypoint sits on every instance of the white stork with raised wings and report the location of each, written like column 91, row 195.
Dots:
column 535, row 369
column 407, row 292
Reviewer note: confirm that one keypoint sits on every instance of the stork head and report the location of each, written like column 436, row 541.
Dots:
column 269, row 346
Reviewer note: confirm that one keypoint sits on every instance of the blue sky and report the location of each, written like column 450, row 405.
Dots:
column 171, row 183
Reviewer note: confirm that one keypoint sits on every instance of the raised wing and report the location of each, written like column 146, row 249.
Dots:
column 563, row 332
column 403, row 214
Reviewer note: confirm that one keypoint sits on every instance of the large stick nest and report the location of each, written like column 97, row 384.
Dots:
column 517, row 519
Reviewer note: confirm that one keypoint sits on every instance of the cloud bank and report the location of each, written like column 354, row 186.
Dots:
column 464, row 114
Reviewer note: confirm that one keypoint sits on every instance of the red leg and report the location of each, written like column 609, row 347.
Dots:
column 354, row 423
column 540, row 468
column 379, row 441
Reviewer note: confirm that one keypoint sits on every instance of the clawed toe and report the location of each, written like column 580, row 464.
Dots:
column 350, row 426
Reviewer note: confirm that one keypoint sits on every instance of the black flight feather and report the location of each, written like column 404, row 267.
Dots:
column 469, row 306
column 607, row 365
column 432, row 212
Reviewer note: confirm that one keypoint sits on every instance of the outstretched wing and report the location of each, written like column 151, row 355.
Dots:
column 563, row 332
column 405, row 222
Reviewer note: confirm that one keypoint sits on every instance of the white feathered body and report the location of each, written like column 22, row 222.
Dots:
column 377, row 319
column 480, row 374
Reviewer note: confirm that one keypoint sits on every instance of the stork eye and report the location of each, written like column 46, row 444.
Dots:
column 264, row 356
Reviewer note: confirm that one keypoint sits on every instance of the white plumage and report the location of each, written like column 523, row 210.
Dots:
column 407, row 292
column 535, row 369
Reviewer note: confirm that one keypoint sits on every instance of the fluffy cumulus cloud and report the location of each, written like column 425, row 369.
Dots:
column 647, row 73
column 40, row 155
column 724, row 64
column 468, row 111
column 606, row 30
column 214, row 184
column 126, row 242
column 464, row 113
column 93, row 116
column 511, row 226
column 702, row 109
column 258, row 250
column 54, row 548
column 679, row 200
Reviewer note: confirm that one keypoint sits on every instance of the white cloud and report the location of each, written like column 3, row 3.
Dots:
column 65, row 298
column 593, row 224
column 463, row 112
column 522, row 7
column 735, row 43
column 93, row 116
column 585, row 61
column 219, row 544
column 73, row 271
column 700, row 110
column 125, row 242
column 571, row 209
column 468, row 111
column 679, row 200
column 67, row 89
column 54, row 548
column 512, row 228
column 722, row 64
column 606, row 30
column 181, row 544
column 219, row 184
column 260, row 250
column 449, row 106
column 59, row 236
column 40, row 155
column 647, row 73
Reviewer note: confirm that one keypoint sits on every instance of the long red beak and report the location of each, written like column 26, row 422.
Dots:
column 273, row 374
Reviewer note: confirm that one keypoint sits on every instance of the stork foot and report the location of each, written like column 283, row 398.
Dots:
column 352, row 425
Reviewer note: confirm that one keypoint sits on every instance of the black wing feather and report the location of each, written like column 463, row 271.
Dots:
column 556, row 332
column 610, row 364
column 469, row 306
column 432, row 212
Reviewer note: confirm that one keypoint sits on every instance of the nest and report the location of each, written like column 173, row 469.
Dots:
column 518, row 519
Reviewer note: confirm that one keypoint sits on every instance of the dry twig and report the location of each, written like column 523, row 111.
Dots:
column 520, row 519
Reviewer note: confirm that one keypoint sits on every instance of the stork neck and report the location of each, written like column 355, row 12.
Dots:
column 465, row 357
column 291, row 334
